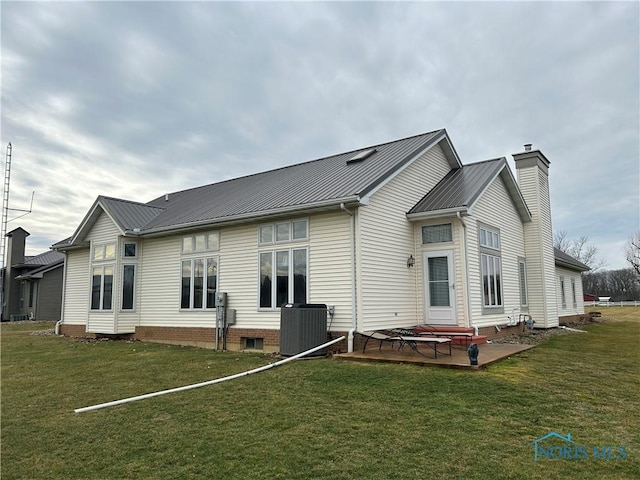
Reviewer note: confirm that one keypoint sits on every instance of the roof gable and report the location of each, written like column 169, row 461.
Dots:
column 460, row 189
column 126, row 215
column 319, row 184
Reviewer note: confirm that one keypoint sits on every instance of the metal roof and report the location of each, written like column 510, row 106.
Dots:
column 129, row 215
column 44, row 258
column 565, row 260
column 460, row 188
column 323, row 183
column 328, row 180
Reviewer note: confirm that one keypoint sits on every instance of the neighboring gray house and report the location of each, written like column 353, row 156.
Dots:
column 32, row 284
column 396, row 234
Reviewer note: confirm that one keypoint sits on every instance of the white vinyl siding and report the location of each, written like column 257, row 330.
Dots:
column 76, row 296
column 388, row 292
column 539, row 248
column 329, row 276
column 511, row 242
column 572, row 282
column 103, row 233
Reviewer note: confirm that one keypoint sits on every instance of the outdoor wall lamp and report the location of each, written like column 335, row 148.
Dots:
column 411, row 261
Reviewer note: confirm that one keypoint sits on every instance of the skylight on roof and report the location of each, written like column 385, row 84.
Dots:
column 360, row 156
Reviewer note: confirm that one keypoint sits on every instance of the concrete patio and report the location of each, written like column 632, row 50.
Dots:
column 489, row 353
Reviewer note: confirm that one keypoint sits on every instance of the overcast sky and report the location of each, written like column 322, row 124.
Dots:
column 136, row 99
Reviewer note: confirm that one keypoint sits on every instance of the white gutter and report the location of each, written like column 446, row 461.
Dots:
column 210, row 382
column 466, row 264
column 241, row 218
column 446, row 212
column 354, row 311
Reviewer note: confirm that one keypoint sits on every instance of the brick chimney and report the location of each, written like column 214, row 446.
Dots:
column 532, row 169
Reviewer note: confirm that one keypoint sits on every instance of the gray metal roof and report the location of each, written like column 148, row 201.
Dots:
column 325, row 180
column 129, row 215
column 567, row 261
column 460, row 188
column 323, row 183
column 44, row 258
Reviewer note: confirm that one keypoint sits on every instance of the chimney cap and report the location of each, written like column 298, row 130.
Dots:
column 527, row 147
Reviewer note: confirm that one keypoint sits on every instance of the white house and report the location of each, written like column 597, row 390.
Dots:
column 392, row 235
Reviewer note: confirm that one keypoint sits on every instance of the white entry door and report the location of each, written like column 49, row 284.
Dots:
column 439, row 288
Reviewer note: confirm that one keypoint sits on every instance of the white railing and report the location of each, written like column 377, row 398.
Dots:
column 635, row 303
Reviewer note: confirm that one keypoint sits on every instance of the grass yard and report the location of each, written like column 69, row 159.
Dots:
column 316, row 418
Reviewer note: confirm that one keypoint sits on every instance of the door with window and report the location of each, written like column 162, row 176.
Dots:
column 439, row 284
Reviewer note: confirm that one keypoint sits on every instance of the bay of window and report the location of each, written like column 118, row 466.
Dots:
column 128, row 286
column 282, row 232
column 491, row 281
column 491, row 271
column 102, row 287
column 104, row 252
column 289, row 269
column 130, row 250
column 199, row 283
column 201, row 242
column 437, row 233
column 522, row 276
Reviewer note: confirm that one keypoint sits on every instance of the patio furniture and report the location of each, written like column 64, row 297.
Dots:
column 433, row 342
column 468, row 336
column 379, row 336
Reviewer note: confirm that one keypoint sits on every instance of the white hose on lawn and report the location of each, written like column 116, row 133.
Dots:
column 210, row 382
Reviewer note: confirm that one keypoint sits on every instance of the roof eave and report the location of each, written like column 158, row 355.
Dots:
column 571, row 266
column 333, row 204
column 446, row 212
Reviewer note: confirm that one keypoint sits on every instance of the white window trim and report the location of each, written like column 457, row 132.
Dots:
column 436, row 225
column 103, row 248
column 563, row 292
column 135, row 282
column 124, row 250
column 523, row 262
column 273, row 226
column 290, row 293
column 192, row 259
column 492, row 253
column 573, row 292
column 102, row 267
column 193, row 250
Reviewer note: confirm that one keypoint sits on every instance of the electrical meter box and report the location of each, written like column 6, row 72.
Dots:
column 221, row 299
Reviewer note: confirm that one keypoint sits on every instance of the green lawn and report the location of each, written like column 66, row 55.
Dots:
column 315, row 418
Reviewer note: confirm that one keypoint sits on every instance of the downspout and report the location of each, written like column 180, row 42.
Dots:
column 56, row 329
column 466, row 268
column 353, row 282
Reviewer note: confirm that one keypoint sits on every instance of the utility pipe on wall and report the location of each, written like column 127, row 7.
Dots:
column 210, row 382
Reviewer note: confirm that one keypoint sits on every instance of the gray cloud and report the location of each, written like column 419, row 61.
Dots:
column 134, row 99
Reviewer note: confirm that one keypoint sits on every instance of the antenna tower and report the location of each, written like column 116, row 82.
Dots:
column 5, row 220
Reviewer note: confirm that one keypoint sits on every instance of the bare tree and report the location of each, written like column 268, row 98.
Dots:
column 632, row 251
column 579, row 249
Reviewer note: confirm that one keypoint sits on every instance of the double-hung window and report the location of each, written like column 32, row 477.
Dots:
column 199, row 271
column 491, row 270
column 283, row 270
column 102, row 265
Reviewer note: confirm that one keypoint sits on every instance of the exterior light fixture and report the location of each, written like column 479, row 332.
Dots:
column 411, row 261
